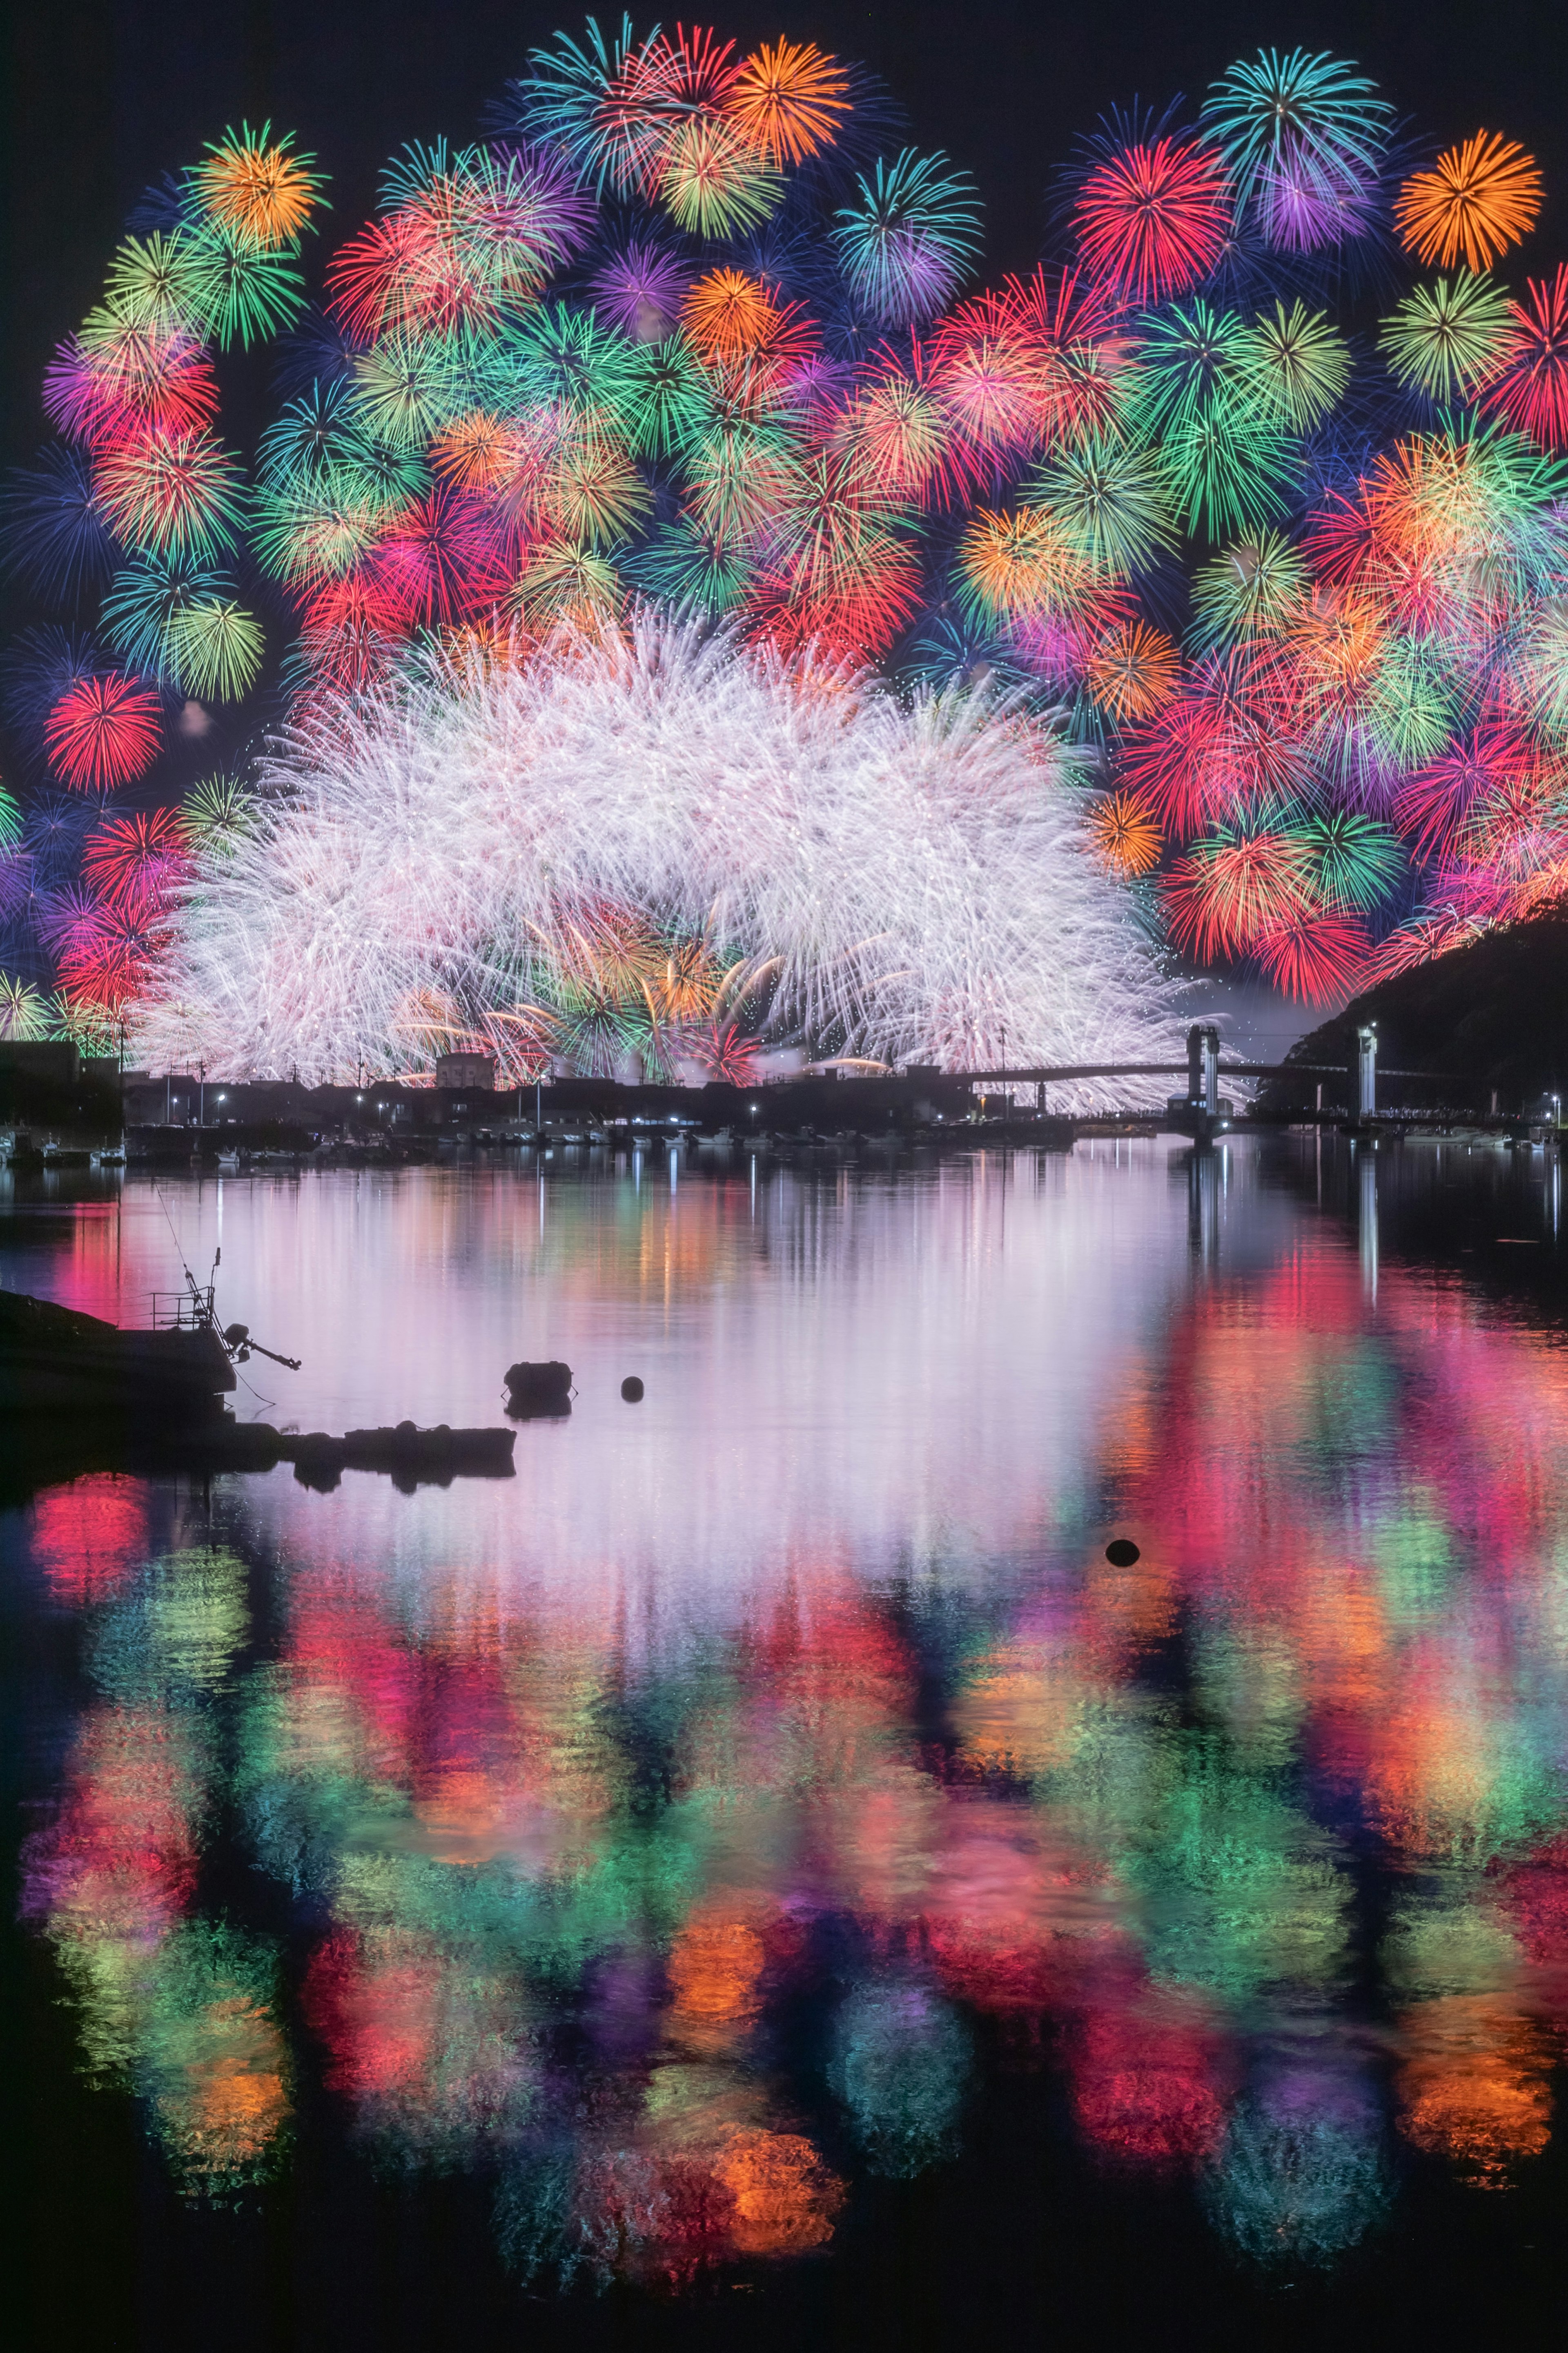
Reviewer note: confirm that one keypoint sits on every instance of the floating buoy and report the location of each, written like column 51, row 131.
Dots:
column 1122, row 1552
column 631, row 1388
column 538, row 1390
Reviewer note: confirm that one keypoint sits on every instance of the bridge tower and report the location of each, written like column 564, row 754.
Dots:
column 1363, row 1071
column 1203, row 1069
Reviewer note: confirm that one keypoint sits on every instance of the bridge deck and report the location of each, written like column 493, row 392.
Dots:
column 1042, row 1074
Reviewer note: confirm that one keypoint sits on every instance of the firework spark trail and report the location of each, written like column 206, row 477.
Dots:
column 918, row 869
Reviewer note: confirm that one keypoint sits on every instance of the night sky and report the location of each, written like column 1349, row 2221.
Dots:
column 105, row 95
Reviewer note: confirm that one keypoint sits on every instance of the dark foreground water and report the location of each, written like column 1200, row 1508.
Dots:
column 762, row 1875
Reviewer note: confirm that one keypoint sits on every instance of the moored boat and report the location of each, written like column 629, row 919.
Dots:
column 56, row 1358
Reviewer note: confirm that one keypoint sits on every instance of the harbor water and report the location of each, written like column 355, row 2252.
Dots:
column 1022, row 1787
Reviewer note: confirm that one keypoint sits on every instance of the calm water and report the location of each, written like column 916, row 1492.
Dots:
column 764, row 1850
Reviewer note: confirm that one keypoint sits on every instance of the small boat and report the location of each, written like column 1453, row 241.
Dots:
column 229, row 1164
column 56, row 1358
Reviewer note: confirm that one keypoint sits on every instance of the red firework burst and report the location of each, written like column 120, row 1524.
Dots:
column 724, row 1052
column 352, row 628
column 1435, row 804
column 1153, row 217
column 1067, row 321
column 103, row 732
column 1226, row 742
column 664, row 86
column 1530, row 387
column 129, row 380
column 113, row 965
column 443, row 560
column 1227, row 893
column 104, row 955
column 1339, row 541
column 380, row 278
column 988, row 383
column 136, row 861
column 1316, row 957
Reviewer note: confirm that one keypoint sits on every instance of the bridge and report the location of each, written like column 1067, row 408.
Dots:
column 1200, row 1111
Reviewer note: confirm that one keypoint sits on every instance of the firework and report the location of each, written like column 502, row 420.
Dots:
column 788, row 100
column 56, row 539
column 171, row 494
column 1108, row 498
column 640, row 289
column 142, row 610
column 1256, row 589
column 135, row 862
column 1479, row 199
column 892, row 859
column 1304, row 137
column 103, row 732
column 1295, row 365
column 1353, row 861
column 1447, row 338
column 684, row 330
column 908, row 239
column 1132, row 672
column 24, row 1011
column 255, row 190
column 215, row 648
column 1527, row 382
column 1152, row 216
column 1126, row 835
column 1322, row 959
column 1233, row 887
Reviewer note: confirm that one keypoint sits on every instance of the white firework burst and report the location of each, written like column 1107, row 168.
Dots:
column 908, row 877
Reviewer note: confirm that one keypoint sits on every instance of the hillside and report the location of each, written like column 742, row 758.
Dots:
column 1495, row 1013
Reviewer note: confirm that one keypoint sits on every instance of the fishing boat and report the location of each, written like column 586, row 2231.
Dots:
column 54, row 1359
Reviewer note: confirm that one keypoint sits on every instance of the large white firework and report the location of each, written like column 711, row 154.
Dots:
column 912, row 873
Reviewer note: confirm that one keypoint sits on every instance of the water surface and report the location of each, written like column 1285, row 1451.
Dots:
column 765, row 1847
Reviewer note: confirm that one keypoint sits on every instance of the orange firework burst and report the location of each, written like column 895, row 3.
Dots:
column 1479, row 198
column 1126, row 835
column 1133, row 672
column 253, row 187
column 474, row 452
column 727, row 314
column 1020, row 563
column 787, row 101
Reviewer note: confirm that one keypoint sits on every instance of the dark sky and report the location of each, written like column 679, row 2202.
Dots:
column 103, row 97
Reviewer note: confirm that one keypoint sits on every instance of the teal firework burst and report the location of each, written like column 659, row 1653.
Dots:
column 244, row 293
column 1353, row 862
column 404, row 390
column 1225, row 471
column 146, row 602
column 564, row 358
column 690, row 569
column 906, row 241
column 1312, row 126
column 669, row 397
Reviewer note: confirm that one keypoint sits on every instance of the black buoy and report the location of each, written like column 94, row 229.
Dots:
column 534, row 1383
column 631, row 1388
column 1122, row 1552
